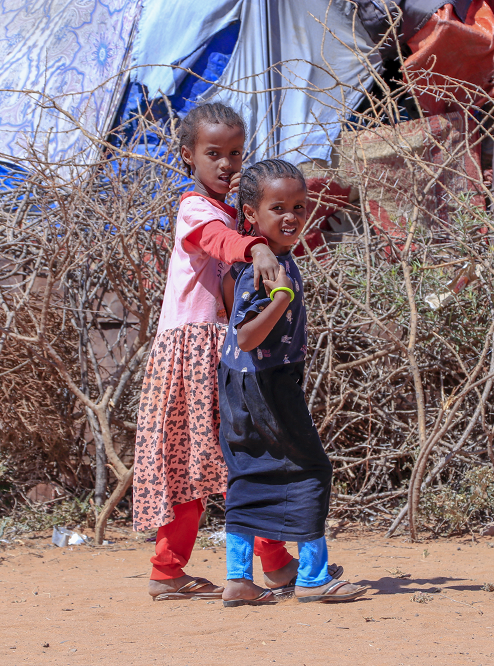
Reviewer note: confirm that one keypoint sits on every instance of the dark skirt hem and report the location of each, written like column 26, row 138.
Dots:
column 276, row 536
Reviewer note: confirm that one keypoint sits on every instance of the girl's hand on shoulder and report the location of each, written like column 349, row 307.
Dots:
column 234, row 183
column 265, row 264
column 281, row 281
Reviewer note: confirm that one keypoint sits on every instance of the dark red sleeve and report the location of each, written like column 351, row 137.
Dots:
column 223, row 243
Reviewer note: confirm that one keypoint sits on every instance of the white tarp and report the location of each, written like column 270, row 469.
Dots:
column 294, row 109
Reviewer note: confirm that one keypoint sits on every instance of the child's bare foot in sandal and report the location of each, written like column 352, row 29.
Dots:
column 243, row 592
column 285, row 576
column 184, row 587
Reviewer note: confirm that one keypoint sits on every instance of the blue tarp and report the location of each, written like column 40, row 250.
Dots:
column 274, row 62
column 210, row 65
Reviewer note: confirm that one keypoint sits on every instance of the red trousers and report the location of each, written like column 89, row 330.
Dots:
column 175, row 541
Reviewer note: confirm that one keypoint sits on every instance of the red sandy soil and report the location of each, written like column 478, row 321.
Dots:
column 85, row 605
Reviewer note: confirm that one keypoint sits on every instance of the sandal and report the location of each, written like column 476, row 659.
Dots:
column 287, row 591
column 266, row 598
column 329, row 593
column 191, row 590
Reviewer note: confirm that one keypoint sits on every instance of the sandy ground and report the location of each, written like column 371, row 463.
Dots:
column 86, row 606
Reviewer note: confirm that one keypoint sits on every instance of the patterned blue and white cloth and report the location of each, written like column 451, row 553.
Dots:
column 287, row 342
column 67, row 50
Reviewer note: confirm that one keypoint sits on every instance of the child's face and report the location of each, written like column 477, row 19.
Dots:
column 217, row 155
column 281, row 214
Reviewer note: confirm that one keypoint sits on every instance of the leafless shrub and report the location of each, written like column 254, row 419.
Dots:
column 83, row 265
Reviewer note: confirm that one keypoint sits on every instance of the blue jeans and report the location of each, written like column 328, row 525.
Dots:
column 312, row 568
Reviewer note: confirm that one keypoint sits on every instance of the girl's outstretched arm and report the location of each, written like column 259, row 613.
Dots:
column 256, row 327
column 227, row 245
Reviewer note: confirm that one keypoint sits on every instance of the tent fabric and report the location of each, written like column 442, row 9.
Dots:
column 452, row 49
column 64, row 48
column 415, row 14
column 176, row 33
column 210, row 65
column 301, row 120
column 294, row 109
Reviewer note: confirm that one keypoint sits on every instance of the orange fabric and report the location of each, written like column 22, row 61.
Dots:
column 334, row 197
column 390, row 180
column 450, row 49
column 326, row 196
column 273, row 553
column 175, row 541
column 178, row 456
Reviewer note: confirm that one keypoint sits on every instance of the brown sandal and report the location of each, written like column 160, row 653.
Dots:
column 191, row 590
column 329, row 593
column 285, row 592
column 266, row 598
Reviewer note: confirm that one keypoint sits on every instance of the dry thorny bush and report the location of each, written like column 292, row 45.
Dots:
column 401, row 393
column 83, row 272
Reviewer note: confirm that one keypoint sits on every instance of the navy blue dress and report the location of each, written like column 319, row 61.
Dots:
column 279, row 478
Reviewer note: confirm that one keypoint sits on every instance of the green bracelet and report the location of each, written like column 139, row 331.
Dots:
column 287, row 289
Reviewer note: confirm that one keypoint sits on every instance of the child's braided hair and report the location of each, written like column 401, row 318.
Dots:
column 213, row 114
column 251, row 186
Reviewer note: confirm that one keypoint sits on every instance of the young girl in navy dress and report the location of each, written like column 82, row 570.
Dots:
column 279, row 478
column 178, row 460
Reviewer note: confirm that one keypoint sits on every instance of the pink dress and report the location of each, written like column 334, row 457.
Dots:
column 177, row 455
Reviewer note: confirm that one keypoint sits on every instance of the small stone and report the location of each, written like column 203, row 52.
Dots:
column 45, row 645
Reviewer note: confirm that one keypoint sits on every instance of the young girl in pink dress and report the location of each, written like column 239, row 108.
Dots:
column 178, row 460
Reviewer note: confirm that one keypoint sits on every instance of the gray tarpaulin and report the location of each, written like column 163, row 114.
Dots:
column 294, row 108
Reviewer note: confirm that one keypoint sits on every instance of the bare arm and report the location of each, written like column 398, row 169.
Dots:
column 254, row 330
column 228, row 293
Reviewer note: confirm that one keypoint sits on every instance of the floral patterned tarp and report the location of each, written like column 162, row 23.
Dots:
column 72, row 51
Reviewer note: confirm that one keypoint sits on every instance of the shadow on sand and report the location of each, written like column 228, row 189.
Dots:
column 390, row 585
